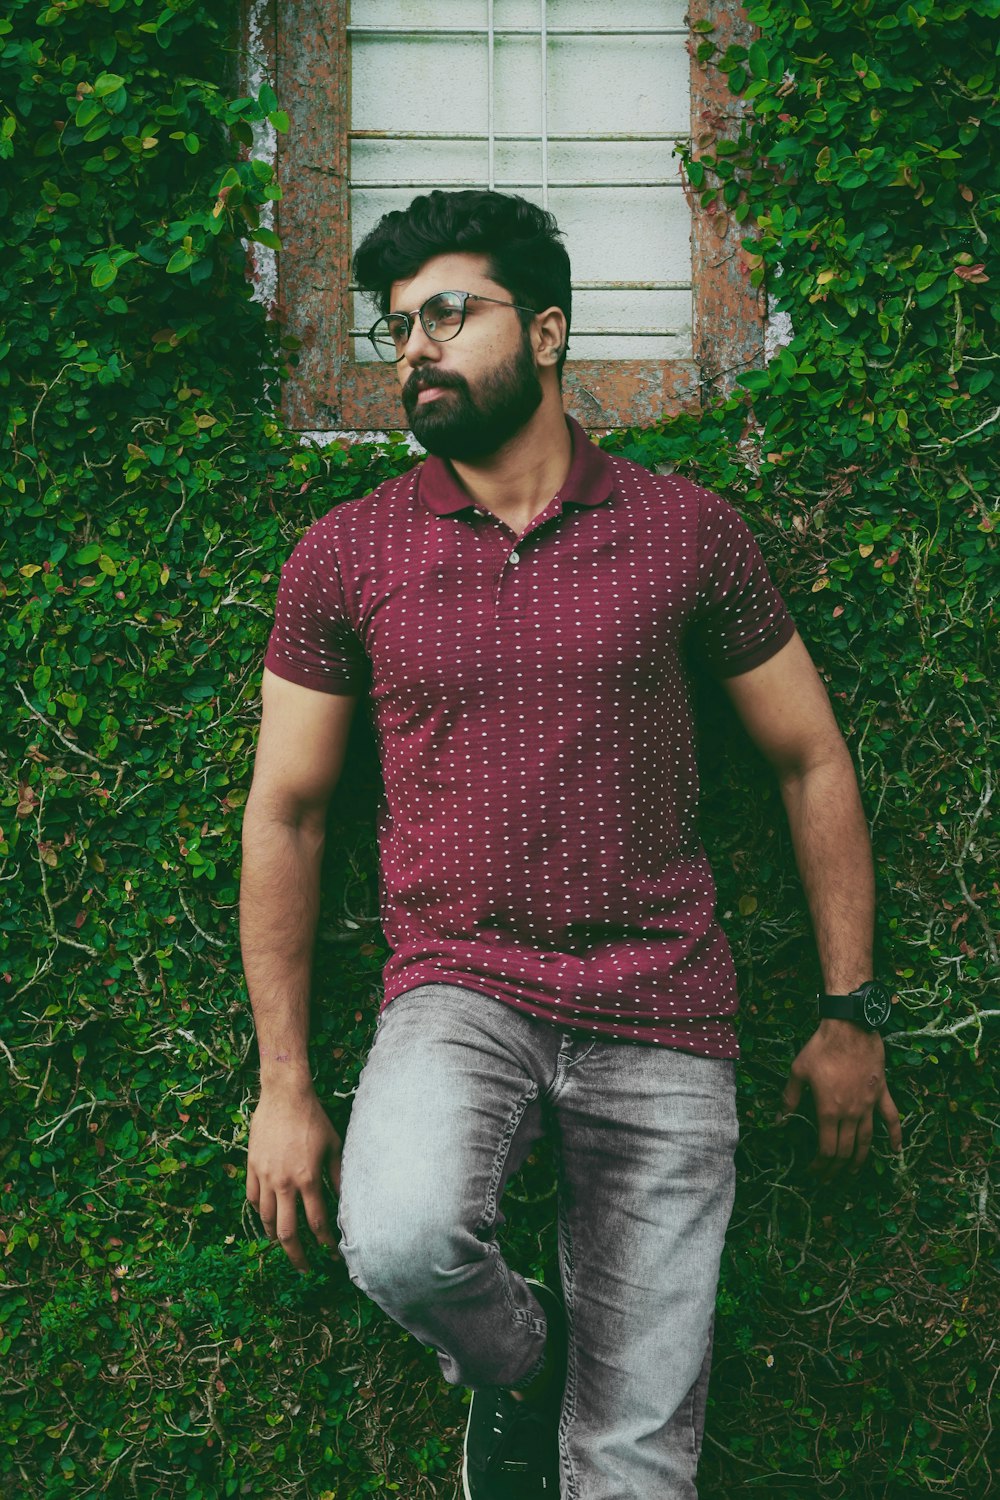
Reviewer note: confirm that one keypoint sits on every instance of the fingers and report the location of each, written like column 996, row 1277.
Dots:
column 287, row 1231
column 280, row 1221
column 846, row 1141
column 279, row 1217
column 318, row 1220
column 292, row 1144
column 862, row 1145
column 266, row 1207
column 837, row 1144
column 890, row 1114
column 790, row 1098
column 333, row 1165
column 827, row 1142
column 845, row 1077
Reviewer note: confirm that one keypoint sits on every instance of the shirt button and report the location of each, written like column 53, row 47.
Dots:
column 514, row 557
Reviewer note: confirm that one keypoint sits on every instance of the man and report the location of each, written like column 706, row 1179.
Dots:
column 524, row 611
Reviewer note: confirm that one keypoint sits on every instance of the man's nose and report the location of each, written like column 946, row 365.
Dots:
column 420, row 347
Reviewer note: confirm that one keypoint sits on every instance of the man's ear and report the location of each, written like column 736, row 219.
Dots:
column 549, row 335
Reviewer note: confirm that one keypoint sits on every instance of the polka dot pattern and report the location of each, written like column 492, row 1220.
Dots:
column 531, row 702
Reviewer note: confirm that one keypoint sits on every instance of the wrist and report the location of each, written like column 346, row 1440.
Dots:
column 831, row 1028
column 285, row 1072
column 841, row 978
column 867, row 1006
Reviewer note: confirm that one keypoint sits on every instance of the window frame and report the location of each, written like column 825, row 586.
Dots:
column 301, row 47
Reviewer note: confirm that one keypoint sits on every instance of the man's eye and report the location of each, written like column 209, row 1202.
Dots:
column 399, row 330
column 443, row 315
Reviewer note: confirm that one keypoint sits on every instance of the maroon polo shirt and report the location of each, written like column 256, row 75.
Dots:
column 532, row 707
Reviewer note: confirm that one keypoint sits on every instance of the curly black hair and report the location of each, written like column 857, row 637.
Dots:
column 522, row 243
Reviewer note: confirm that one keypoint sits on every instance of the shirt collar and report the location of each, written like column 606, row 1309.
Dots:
column 590, row 480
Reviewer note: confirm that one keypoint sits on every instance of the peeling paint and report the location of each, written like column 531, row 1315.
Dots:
column 778, row 330
column 324, row 438
column 258, row 69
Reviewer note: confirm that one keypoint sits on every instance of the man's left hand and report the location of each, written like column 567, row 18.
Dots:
column 844, row 1066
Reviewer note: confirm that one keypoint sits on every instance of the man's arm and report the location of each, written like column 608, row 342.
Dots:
column 787, row 713
column 300, row 751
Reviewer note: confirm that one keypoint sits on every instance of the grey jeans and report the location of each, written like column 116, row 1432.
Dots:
column 456, row 1089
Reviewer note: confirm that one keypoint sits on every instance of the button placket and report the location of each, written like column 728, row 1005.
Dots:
column 510, row 561
column 491, row 533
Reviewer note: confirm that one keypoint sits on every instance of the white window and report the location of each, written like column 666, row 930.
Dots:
column 575, row 105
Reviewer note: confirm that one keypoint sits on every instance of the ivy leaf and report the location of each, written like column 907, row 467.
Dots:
column 266, row 237
column 759, row 60
column 86, row 112
column 107, row 83
column 103, row 273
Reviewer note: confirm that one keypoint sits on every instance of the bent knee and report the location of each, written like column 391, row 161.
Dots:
column 404, row 1255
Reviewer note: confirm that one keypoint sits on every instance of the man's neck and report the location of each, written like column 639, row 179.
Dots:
column 517, row 482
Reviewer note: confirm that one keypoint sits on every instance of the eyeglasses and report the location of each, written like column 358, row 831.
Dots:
column 442, row 317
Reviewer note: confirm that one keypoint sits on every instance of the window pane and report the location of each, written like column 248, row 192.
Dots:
column 414, row 83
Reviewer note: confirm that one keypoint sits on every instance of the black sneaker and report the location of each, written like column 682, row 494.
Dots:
column 511, row 1446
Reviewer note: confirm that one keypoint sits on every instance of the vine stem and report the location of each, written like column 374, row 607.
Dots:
column 90, row 1104
column 947, row 443
column 70, row 744
column 215, row 942
column 976, row 1019
column 10, row 1058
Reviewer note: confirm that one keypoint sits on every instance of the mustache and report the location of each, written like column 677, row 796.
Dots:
column 421, row 380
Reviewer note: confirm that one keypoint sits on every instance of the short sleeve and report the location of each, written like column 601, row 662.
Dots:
column 740, row 619
column 313, row 642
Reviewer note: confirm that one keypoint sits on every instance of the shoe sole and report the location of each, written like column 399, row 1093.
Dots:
column 467, row 1493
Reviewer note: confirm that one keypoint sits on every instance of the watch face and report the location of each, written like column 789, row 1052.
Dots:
column 876, row 1005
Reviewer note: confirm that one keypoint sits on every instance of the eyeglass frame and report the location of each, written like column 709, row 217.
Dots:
column 411, row 320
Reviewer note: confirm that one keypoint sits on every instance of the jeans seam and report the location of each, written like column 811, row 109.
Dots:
column 563, row 1065
column 569, row 1393
column 571, row 1062
column 487, row 1220
column 692, row 1434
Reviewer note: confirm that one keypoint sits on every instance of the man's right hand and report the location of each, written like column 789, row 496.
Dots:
column 292, row 1145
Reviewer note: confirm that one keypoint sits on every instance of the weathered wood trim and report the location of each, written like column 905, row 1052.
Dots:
column 313, row 85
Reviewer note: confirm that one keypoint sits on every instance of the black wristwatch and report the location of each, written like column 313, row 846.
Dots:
column 870, row 1006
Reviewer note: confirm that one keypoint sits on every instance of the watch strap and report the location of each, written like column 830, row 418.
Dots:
column 868, row 1006
column 839, row 1007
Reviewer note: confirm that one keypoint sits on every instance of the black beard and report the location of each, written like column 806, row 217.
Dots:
column 466, row 427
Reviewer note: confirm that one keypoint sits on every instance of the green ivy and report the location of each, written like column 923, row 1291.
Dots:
column 152, row 1345
column 865, row 454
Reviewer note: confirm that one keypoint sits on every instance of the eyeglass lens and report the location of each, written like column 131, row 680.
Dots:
column 441, row 318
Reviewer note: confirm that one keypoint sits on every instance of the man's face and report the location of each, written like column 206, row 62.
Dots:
column 467, row 397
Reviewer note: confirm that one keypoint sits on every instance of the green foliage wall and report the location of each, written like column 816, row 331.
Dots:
column 151, row 1345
